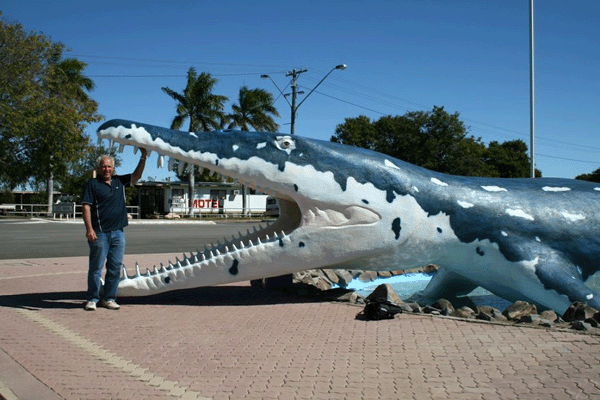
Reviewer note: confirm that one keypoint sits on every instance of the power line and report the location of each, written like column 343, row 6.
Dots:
column 348, row 87
column 165, row 76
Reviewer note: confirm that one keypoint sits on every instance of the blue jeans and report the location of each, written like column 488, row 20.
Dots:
column 109, row 247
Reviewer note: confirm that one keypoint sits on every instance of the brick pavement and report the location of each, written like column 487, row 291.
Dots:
column 230, row 342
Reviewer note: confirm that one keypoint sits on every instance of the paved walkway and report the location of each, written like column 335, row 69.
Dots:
column 229, row 342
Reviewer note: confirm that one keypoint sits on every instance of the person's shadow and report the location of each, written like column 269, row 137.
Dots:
column 226, row 295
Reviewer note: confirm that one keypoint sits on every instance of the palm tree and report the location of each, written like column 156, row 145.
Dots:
column 254, row 111
column 203, row 108
column 72, row 71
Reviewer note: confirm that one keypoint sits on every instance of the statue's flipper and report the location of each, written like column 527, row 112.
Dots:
column 560, row 275
column 444, row 284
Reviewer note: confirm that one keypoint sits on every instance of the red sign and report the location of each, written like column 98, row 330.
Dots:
column 208, row 203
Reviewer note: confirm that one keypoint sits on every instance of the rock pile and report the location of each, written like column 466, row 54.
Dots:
column 318, row 283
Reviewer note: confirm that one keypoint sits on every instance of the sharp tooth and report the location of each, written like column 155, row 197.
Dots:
column 180, row 167
column 147, row 272
column 171, row 162
column 250, row 244
column 210, row 253
column 234, row 248
column 218, row 252
column 259, row 242
column 242, row 245
column 99, row 142
column 124, row 273
column 160, row 162
column 267, row 238
column 121, row 147
column 137, row 270
column 111, row 144
column 135, row 150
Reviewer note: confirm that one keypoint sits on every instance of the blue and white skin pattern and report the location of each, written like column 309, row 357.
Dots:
column 536, row 240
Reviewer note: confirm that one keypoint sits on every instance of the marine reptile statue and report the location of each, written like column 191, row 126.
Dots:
column 536, row 240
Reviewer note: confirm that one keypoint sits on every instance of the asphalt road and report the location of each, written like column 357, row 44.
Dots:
column 47, row 239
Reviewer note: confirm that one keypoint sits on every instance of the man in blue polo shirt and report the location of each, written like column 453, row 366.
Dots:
column 105, row 216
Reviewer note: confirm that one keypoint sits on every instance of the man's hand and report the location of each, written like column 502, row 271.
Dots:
column 91, row 236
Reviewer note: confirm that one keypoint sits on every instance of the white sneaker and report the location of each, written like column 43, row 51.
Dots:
column 111, row 305
column 90, row 306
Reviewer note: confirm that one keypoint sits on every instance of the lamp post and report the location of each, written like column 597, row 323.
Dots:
column 531, row 92
column 294, row 74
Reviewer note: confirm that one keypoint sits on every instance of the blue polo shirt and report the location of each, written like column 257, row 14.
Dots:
column 109, row 211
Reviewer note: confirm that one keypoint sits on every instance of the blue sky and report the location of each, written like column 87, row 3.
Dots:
column 471, row 57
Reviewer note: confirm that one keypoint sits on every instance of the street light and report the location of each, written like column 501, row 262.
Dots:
column 294, row 74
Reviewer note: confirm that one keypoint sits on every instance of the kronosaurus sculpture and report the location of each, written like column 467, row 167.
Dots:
column 536, row 240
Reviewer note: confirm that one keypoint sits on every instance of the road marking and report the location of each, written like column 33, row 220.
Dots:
column 126, row 366
column 38, row 275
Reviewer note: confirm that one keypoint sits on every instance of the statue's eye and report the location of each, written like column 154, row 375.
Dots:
column 286, row 143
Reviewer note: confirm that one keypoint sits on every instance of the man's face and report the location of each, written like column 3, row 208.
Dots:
column 106, row 169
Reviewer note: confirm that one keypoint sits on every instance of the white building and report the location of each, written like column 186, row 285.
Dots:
column 164, row 197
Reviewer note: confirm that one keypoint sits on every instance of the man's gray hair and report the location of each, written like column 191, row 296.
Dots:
column 102, row 157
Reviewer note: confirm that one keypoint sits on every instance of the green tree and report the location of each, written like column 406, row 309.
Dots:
column 43, row 108
column 592, row 177
column 435, row 140
column 358, row 132
column 204, row 111
column 508, row 159
column 254, row 110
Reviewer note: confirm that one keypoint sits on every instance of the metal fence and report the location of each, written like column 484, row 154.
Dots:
column 58, row 211
column 68, row 210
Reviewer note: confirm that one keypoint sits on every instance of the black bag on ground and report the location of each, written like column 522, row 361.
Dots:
column 379, row 309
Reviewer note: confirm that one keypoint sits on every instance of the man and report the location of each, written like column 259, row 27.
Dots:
column 105, row 216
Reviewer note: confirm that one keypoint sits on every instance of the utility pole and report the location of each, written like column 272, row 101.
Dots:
column 294, row 74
